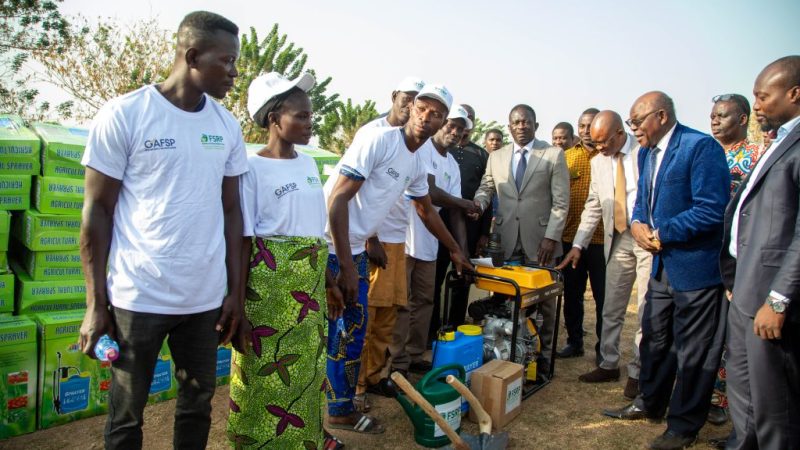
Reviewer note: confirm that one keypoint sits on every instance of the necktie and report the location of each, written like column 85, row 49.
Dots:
column 620, row 191
column 652, row 180
column 521, row 167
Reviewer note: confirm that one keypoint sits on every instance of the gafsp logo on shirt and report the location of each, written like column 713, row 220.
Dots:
column 211, row 141
column 393, row 173
column 285, row 189
column 159, row 144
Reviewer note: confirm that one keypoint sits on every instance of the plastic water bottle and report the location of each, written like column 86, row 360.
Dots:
column 106, row 349
column 340, row 328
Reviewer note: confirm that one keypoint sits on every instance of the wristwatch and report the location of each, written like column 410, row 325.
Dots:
column 777, row 305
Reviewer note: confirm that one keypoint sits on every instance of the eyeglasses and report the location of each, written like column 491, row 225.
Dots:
column 722, row 98
column 638, row 122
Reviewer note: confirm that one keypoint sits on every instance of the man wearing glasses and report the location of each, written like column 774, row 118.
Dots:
column 680, row 203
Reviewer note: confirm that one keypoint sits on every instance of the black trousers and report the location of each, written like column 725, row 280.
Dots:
column 592, row 266
column 763, row 385
column 193, row 343
column 682, row 338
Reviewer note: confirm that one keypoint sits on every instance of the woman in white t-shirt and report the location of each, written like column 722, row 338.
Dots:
column 275, row 388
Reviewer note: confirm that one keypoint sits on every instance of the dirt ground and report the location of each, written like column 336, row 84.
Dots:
column 564, row 415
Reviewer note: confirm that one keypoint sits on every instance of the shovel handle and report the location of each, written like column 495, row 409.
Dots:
column 484, row 419
column 417, row 398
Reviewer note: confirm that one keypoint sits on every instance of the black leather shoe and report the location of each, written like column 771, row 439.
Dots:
column 384, row 388
column 570, row 351
column 630, row 412
column 672, row 441
column 717, row 415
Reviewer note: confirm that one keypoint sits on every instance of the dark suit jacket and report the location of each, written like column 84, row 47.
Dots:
column 691, row 191
column 768, row 244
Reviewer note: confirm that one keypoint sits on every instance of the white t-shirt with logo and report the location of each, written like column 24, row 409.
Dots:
column 421, row 243
column 380, row 122
column 282, row 197
column 168, row 247
column 380, row 157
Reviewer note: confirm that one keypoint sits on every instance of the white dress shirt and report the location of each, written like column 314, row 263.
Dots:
column 783, row 131
column 517, row 153
column 662, row 147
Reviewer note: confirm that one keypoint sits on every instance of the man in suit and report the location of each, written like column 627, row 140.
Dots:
column 678, row 215
column 592, row 266
column 531, row 181
column 760, row 263
column 612, row 195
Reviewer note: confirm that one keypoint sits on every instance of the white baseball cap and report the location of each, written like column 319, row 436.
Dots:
column 437, row 92
column 265, row 87
column 410, row 84
column 460, row 113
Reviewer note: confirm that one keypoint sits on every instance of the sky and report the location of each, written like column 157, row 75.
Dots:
column 559, row 56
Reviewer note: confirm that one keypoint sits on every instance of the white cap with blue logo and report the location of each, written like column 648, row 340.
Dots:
column 437, row 92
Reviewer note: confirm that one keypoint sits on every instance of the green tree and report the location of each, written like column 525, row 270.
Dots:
column 27, row 26
column 340, row 125
column 273, row 54
column 480, row 128
column 107, row 59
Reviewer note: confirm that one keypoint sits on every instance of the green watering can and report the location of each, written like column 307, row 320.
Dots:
column 434, row 388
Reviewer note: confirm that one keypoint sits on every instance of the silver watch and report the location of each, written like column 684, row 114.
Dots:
column 778, row 306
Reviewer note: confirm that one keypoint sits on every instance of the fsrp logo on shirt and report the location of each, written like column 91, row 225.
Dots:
column 211, row 141
column 159, row 144
column 313, row 181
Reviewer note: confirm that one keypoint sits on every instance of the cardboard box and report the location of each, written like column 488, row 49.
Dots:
column 47, row 232
column 18, row 376
column 19, row 165
column 62, row 150
column 70, row 383
column 5, row 231
column 19, row 147
column 15, row 202
column 498, row 386
column 4, row 262
column 34, row 296
column 56, row 195
column 43, row 266
column 7, row 292
column 164, row 386
column 15, row 192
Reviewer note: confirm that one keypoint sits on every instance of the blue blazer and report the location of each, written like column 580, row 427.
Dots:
column 691, row 191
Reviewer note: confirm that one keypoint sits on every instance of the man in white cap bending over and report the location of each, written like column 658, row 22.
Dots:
column 387, row 268
column 379, row 167
column 444, row 178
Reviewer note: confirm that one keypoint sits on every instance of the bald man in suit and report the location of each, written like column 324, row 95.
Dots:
column 612, row 195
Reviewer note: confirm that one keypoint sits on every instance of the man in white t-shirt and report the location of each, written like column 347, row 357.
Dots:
column 444, row 179
column 161, row 232
column 379, row 167
column 387, row 268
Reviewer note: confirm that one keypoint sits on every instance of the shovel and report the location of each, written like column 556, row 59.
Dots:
column 486, row 440
column 417, row 398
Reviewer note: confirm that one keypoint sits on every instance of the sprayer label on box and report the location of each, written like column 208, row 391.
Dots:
column 513, row 395
column 451, row 412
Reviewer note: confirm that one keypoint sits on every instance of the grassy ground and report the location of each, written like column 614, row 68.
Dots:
column 564, row 415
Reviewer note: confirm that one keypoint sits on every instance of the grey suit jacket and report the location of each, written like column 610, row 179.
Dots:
column 539, row 209
column 768, row 241
column 600, row 202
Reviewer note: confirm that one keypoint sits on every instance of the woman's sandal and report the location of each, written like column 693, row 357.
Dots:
column 365, row 424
